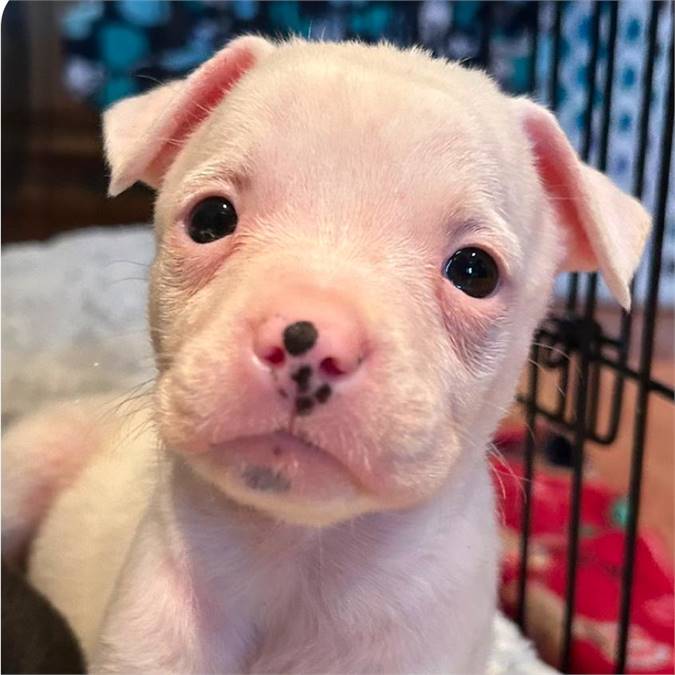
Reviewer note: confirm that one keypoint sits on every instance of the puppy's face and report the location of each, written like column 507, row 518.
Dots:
column 354, row 247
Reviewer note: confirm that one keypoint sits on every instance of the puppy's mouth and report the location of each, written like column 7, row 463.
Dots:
column 284, row 463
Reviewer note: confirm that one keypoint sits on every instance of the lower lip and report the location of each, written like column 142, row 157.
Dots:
column 280, row 463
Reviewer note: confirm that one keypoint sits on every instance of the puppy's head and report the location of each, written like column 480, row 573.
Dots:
column 355, row 245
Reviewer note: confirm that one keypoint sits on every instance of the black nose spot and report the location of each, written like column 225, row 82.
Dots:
column 303, row 405
column 300, row 337
column 301, row 377
column 323, row 393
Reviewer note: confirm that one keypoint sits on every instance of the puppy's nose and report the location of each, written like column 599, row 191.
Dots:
column 308, row 358
column 331, row 348
column 300, row 337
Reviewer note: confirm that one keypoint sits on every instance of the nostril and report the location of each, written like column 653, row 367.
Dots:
column 329, row 366
column 274, row 356
column 300, row 337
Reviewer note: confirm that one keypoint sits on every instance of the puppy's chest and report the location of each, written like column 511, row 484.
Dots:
column 324, row 620
column 348, row 600
column 315, row 607
column 303, row 592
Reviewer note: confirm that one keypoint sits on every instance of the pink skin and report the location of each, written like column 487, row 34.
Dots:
column 355, row 533
column 338, row 351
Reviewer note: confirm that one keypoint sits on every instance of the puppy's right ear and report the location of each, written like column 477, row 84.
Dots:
column 143, row 134
column 606, row 229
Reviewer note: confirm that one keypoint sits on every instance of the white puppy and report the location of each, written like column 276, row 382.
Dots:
column 354, row 247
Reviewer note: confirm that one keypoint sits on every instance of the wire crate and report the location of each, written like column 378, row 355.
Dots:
column 572, row 343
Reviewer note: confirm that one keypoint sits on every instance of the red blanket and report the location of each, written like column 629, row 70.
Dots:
column 595, row 631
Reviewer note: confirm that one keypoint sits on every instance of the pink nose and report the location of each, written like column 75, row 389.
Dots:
column 308, row 354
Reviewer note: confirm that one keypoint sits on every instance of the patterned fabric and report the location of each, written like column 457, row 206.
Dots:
column 117, row 48
column 651, row 645
column 114, row 49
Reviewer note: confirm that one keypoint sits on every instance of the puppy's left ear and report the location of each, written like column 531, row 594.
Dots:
column 606, row 229
column 144, row 133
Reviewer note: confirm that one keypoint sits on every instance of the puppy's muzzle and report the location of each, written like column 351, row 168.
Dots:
column 310, row 348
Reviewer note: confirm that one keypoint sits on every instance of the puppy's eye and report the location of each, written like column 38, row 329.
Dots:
column 213, row 218
column 473, row 271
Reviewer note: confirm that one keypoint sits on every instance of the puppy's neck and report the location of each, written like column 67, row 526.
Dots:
column 207, row 517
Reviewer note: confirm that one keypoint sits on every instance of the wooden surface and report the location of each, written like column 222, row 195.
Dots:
column 53, row 174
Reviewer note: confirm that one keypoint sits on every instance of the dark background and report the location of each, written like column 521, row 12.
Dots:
column 53, row 174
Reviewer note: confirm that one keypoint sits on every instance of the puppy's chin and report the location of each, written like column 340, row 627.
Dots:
column 283, row 477
column 270, row 494
column 292, row 480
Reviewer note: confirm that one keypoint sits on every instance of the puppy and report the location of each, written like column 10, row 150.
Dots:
column 354, row 247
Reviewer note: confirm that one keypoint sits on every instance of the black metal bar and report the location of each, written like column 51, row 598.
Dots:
column 609, row 86
column 558, row 420
column 526, row 518
column 577, row 480
column 554, row 336
column 622, row 342
column 572, row 292
column 646, row 354
column 559, row 9
column 656, row 387
column 602, row 166
column 625, row 331
column 587, row 139
column 645, row 103
column 619, row 381
column 563, row 386
column 595, row 380
column 662, row 389
column 581, row 393
column 533, row 387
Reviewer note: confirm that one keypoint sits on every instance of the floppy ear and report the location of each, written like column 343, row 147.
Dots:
column 143, row 134
column 606, row 228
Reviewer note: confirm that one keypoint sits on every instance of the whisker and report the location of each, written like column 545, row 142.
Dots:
column 543, row 369
column 127, row 262
column 117, row 281
column 150, row 78
column 553, row 348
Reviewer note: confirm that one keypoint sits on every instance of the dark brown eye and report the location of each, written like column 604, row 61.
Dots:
column 473, row 271
column 213, row 218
